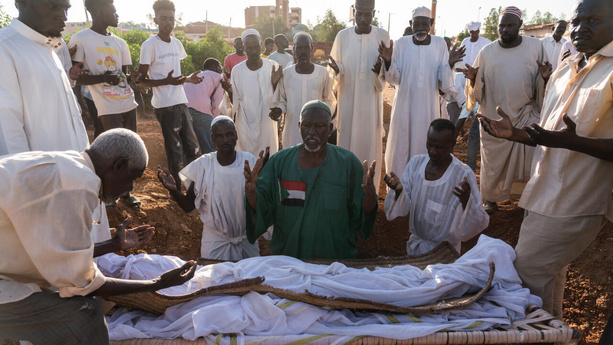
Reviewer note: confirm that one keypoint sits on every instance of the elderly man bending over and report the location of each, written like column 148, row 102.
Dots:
column 215, row 185
column 318, row 196
column 46, row 203
column 439, row 192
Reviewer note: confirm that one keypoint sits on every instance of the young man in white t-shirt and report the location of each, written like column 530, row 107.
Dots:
column 107, row 57
column 160, row 58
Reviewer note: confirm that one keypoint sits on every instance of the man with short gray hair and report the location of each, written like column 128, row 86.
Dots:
column 46, row 208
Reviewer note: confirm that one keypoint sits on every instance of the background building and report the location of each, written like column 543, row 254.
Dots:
column 292, row 16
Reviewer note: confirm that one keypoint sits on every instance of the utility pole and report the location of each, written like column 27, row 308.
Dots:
column 273, row 27
column 229, row 28
column 389, row 20
column 432, row 29
column 206, row 22
column 479, row 13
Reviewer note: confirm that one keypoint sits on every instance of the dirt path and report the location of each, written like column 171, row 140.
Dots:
column 590, row 279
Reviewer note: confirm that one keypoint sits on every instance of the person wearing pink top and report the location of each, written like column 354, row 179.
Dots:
column 235, row 58
column 203, row 102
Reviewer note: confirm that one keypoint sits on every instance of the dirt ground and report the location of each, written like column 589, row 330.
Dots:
column 589, row 288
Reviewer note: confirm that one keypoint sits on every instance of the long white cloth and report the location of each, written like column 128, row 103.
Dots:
column 253, row 96
column 436, row 213
column 297, row 89
column 360, row 99
column 508, row 78
column 220, row 194
column 419, row 71
column 267, row 315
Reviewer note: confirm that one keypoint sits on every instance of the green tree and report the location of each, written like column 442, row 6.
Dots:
column 490, row 24
column 375, row 22
column 136, row 37
column 213, row 46
column 328, row 27
column 462, row 35
column 5, row 19
column 266, row 28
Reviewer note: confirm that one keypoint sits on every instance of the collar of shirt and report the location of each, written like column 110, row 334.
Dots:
column 90, row 164
column 606, row 51
column 31, row 34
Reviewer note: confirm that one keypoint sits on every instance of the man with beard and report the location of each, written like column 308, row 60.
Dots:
column 506, row 74
column 318, row 196
column 46, row 205
column 160, row 58
column 439, row 193
column 420, row 65
column 360, row 98
column 568, row 193
column 38, row 110
column 235, row 58
column 300, row 83
column 553, row 44
column 215, row 186
column 281, row 56
column 108, row 82
column 254, row 82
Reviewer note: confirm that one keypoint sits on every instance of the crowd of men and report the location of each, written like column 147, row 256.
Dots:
column 542, row 109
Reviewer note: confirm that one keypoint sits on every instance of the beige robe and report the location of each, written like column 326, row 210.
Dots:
column 360, row 99
column 508, row 78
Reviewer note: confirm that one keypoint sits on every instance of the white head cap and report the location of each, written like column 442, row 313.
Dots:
column 250, row 32
column 220, row 118
column 473, row 26
column 422, row 12
column 302, row 33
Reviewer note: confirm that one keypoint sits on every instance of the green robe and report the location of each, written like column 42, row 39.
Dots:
column 316, row 213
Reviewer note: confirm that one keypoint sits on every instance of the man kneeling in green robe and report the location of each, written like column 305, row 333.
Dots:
column 318, row 196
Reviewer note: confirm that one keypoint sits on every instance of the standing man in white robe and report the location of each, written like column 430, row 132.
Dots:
column 300, row 84
column 439, row 192
column 420, row 65
column 215, row 186
column 254, row 82
column 360, row 99
column 553, row 44
column 506, row 74
column 473, row 45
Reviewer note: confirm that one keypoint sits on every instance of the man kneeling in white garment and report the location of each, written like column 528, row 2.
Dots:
column 439, row 192
column 216, row 187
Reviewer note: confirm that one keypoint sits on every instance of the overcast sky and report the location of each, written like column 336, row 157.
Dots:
column 453, row 14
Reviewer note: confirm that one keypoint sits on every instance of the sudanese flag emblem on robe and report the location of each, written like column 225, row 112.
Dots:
column 292, row 193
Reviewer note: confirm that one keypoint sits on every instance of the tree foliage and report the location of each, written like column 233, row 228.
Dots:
column 544, row 18
column 269, row 27
column 490, row 24
column 5, row 19
column 462, row 35
column 213, row 46
column 327, row 28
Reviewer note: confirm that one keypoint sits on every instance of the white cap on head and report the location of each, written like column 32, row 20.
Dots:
column 220, row 118
column 422, row 12
column 473, row 26
column 250, row 32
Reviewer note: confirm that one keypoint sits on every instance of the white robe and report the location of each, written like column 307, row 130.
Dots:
column 436, row 213
column 419, row 71
column 297, row 89
column 360, row 99
column 220, row 194
column 251, row 103
column 508, row 78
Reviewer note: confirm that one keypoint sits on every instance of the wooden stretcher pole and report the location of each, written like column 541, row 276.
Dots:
column 432, row 29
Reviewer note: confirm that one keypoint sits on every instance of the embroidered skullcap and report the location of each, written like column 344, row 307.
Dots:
column 512, row 10
column 250, row 32
column 422, row 12
column 316, row 104
column 302, row 33
column 219, row 119
column 473, row 26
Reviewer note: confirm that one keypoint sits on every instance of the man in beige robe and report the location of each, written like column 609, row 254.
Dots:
column 506, row 74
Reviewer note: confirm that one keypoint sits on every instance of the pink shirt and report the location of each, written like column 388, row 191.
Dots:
column 233, row 60
column 206, row 96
